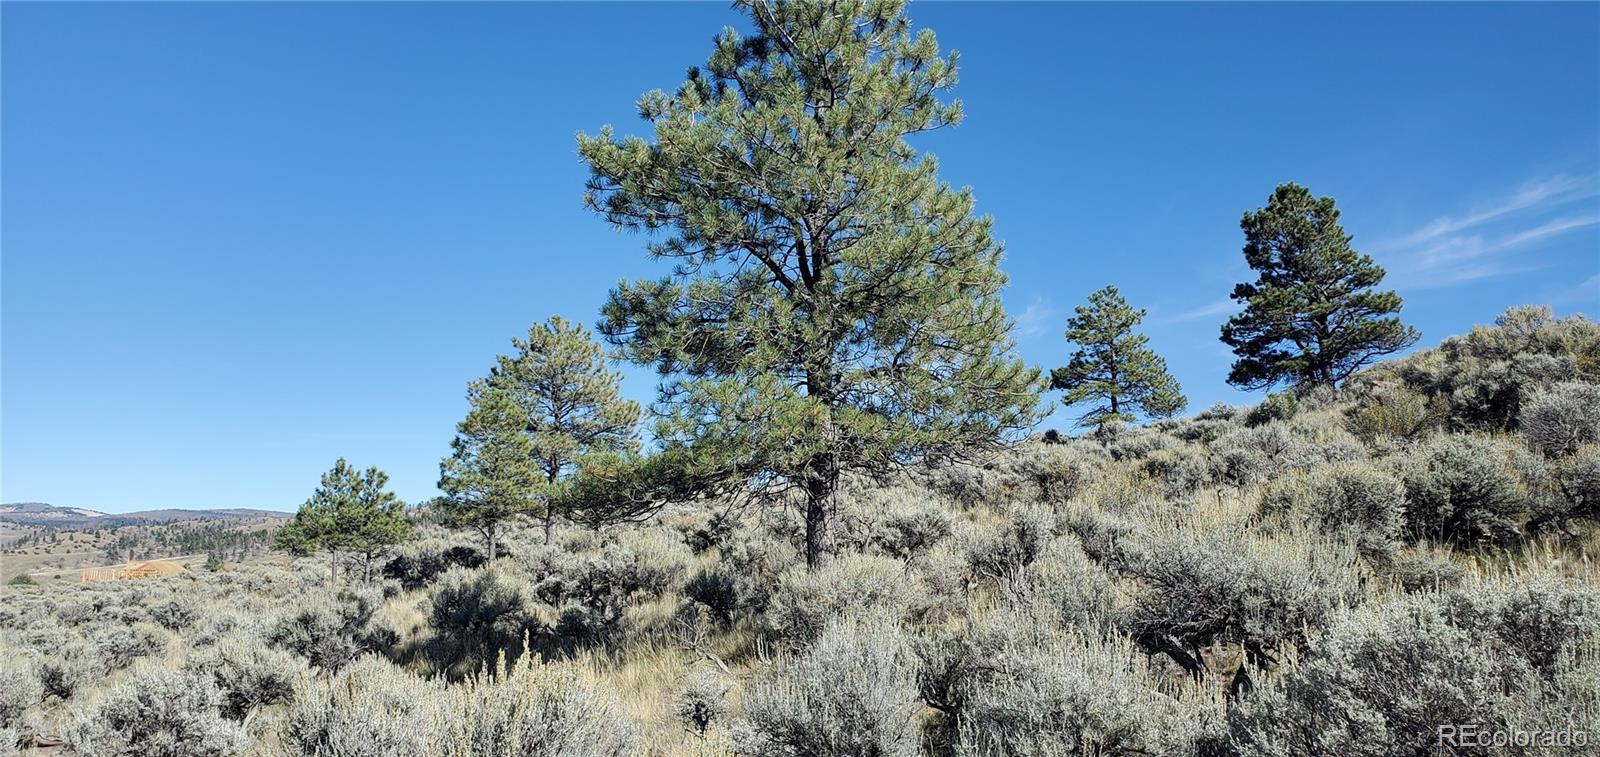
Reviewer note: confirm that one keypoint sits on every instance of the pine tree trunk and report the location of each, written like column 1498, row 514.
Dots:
column 821, row 488
column 489, row 535
column 333, row 567
column 549, row 521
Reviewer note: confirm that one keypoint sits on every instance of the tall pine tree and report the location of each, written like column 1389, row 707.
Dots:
column 1311, row 317
column 572, row 403
column 833, row 305
column 1112, row 366
column 350, row 513
column 490, row 476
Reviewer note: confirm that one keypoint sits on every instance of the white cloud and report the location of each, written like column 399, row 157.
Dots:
column 1036, row 317
column 1224, row 306
column 1486, row 243
column 1584, row 296
column 1542, row 192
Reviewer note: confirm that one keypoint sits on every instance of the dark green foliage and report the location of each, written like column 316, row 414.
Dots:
column 351, row 512
column 1112, row 367
column 715, row 589
column 1311, row 318
column 490, row 476
column 1463, row 490
column 416, row 565
column 834, row 306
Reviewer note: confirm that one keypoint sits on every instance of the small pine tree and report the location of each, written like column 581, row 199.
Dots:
column 490, row 476
column 1311, row 318
column 350, row 513
column 1113, row 367
column 572, row 403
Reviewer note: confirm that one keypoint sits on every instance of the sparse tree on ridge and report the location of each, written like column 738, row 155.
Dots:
column 1112, row 367
column 833, row 305
column 571, row 401
column 1312, row 317
column 490, row 476
column 351, row 512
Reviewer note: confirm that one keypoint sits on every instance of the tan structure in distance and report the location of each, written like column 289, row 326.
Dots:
column 148, row 569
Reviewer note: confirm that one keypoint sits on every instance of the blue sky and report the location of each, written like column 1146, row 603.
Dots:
column 242, row 240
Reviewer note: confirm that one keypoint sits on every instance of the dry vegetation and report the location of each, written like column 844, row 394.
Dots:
column 1336, row 573
column 60, row 553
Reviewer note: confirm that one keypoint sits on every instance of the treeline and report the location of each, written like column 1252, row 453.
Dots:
column 224, row 541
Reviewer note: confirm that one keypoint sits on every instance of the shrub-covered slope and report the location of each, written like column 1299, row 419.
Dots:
column 1337, row 573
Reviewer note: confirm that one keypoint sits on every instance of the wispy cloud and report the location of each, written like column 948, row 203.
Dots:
column 1034, row 319
column 1224, row 306
column 1482, row 244
column 1548, row 191
column 1584, row 295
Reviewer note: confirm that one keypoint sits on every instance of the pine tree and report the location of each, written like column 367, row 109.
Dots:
column 834, row 306
column 349, row 513
column 1113, row 367
column 1311, row 318
column 572, row 403
column 490, row 476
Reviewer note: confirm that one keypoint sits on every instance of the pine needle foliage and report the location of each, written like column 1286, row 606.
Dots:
column 1113, row 368
column 833, row 306
column 1311, row 318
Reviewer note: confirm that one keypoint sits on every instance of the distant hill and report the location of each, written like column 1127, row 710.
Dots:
column 42, row 514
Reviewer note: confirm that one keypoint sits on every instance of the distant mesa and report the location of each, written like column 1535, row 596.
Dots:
column 42, row 514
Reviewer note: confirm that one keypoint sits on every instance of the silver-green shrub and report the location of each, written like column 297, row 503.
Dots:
column 1381, row 678
column 702, row 701
column 156, row 712
column 1462, row 489
column 1198, row 589
column 805, row 602
column 1070, row 695
column 477, row 614
column 1359, row 500
column 331, row 632
column 534, row 709
column 370, row 708
column 1563, row 418
column 118, row 646
column 853, row 692
column 20, row 689
column 248, row 674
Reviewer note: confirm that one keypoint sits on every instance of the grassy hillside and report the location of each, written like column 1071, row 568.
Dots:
column 1337, row 573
